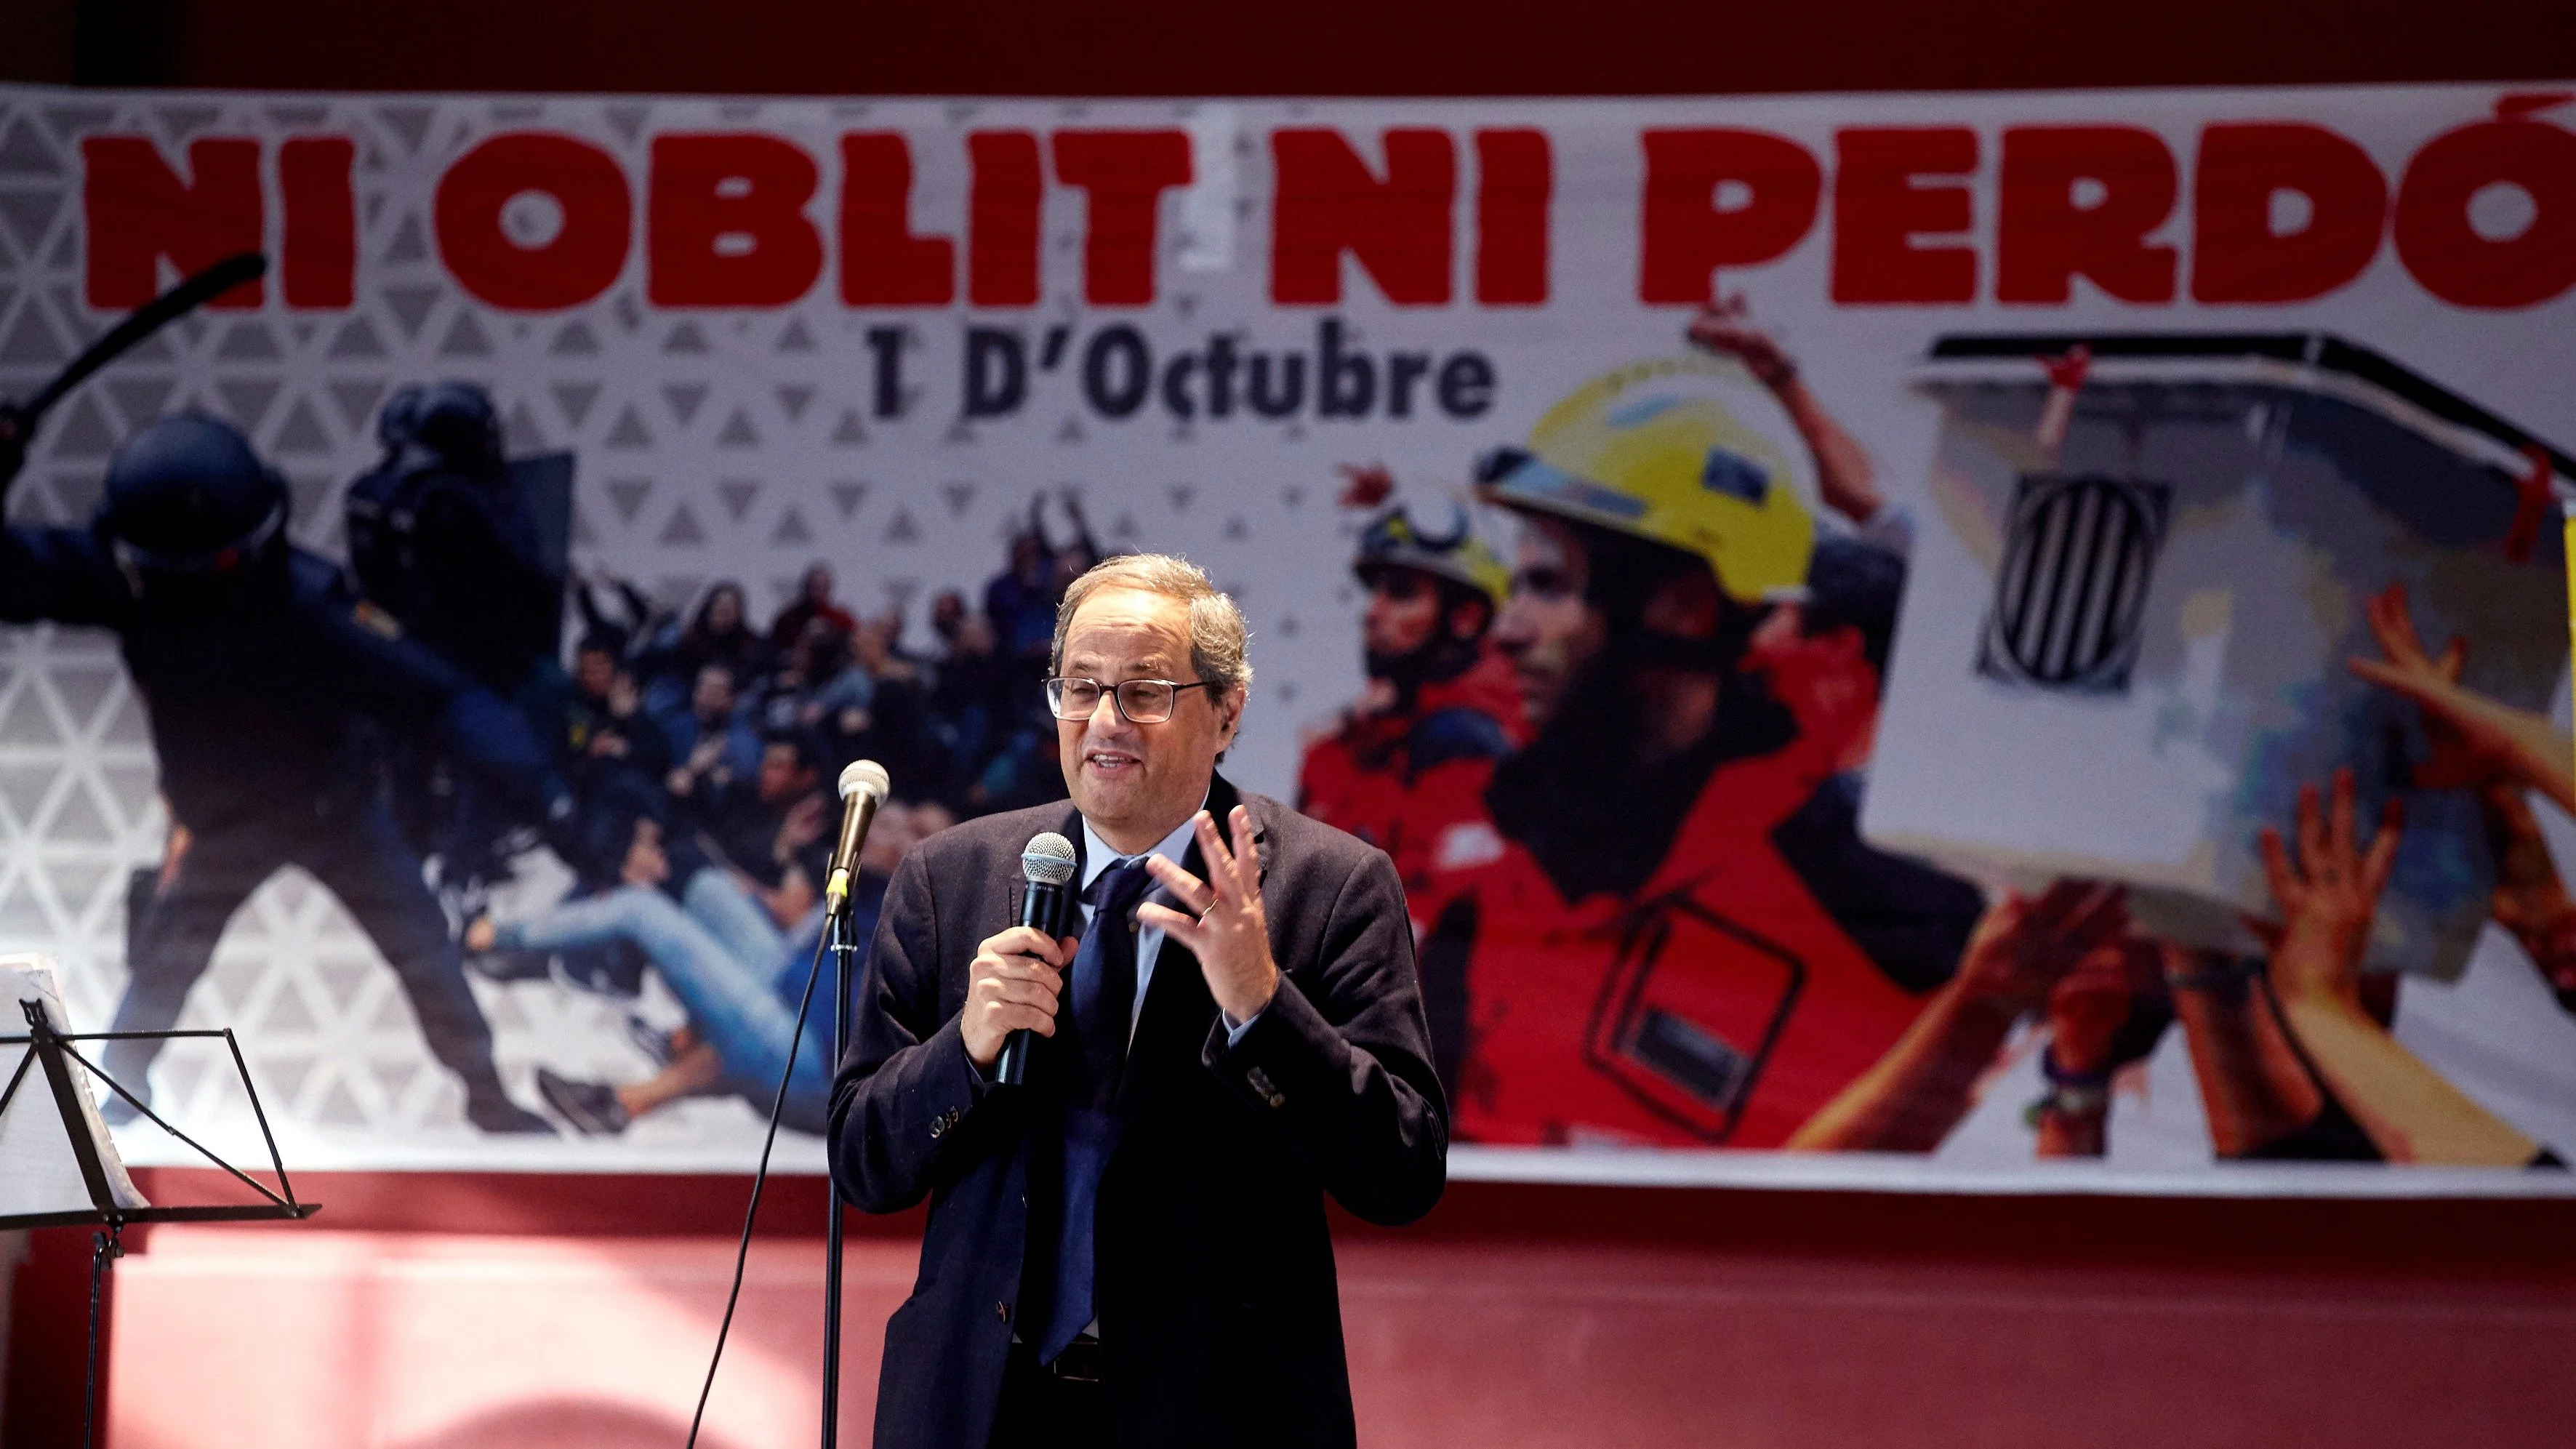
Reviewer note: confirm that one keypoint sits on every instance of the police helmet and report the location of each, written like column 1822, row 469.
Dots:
column 188, row 494
column 397, row 420
column 451, row 423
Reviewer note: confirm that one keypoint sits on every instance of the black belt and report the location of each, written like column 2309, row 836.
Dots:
column 1079, row 1363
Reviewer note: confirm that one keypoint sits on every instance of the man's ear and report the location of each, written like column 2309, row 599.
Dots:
column 1230, row 722
column 1469, row 619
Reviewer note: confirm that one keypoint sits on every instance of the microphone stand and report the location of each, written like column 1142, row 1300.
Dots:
column 837, row 937
column 863, row 789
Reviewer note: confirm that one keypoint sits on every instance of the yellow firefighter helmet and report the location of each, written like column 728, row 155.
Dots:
column 1453, row 548
column 1689, row 452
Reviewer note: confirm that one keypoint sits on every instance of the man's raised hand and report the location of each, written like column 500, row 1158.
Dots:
column 1227, row 930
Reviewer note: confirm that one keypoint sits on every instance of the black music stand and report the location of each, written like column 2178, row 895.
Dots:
column 53, row 1051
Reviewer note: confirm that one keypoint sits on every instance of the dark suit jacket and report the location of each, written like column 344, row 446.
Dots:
column 1220, row 1323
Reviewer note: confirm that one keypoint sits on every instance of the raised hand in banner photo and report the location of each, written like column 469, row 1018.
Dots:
column 2476, row 740
column 2327, row 893
column 1844, row 476
column 1657, row 612
column 2022, row 949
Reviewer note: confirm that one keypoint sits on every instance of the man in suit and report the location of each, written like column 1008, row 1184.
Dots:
column 1130, row 1249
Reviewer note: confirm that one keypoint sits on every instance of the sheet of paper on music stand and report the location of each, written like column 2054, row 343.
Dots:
column 38, row 1173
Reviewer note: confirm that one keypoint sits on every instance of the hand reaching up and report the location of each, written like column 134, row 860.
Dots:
column 1726, row 327
column 2025, row 945
column 2476, row 741
column 2327, row 893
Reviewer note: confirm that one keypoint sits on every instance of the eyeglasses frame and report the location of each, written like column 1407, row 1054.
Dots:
column 1110, row 692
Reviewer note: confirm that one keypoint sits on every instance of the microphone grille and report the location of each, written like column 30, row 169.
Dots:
column 1048, row 859
column 867, row 776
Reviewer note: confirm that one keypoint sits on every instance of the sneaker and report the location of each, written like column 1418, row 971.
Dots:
column 591, row 1107
column 607, row 971
column 656, row 1044
column 508, row 965
column 496, row 1114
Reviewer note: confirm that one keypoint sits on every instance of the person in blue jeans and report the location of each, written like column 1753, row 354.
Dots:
column 737, row 970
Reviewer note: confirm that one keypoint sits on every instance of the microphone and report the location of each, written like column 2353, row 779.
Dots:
column 863, row 789
column 1048, row 865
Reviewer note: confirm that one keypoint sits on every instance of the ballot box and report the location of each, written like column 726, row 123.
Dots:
column 2124, row 639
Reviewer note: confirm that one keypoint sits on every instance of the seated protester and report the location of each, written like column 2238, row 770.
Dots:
column 594, row 847
column 947, row 616
column 813, row 678
column 1029, row 770
column 719, row 632
column 899, row 732
column 1021, row 600
column 596, row 658
column 739, row 972
column 603, row 717
column 970, row 698
column 642, row 623
column 877, row 647
column 777, row 835
column 895, row 729
column 610, row 736
column 813, row 602
column 712, row 740
column 839, row 688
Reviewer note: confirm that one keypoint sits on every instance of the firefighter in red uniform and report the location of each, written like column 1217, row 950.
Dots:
column 1617, row 948
column 1439, row 693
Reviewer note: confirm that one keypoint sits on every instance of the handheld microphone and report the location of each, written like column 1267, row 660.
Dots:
column 863, row 789
column 1048, row 865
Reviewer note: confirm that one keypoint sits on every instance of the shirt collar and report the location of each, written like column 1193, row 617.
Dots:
column 1097, row 855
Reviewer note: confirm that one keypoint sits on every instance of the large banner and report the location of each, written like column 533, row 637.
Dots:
column 2005, row 642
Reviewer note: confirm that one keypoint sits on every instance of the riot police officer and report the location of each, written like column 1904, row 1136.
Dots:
column 256, row 665
column 441, row 538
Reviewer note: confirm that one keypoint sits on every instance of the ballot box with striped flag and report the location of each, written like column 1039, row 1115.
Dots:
column 2133, row 595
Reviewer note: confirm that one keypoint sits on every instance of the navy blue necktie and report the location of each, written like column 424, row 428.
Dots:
column 1102, row 1016
column 1104, row 981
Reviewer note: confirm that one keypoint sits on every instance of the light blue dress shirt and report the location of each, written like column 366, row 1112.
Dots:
column 1098, row 856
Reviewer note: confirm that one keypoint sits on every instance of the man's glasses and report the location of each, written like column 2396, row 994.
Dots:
column 1140, row 701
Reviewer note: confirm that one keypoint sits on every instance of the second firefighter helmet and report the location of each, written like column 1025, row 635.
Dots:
column 1442, row 540
column 1688, row 452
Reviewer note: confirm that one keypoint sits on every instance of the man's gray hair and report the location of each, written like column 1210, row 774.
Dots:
column 1217, row 635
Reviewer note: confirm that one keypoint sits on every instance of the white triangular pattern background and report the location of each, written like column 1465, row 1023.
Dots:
column 710, row 445
column 741, row 444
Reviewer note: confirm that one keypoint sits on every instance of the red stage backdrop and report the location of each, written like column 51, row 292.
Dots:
column 1820, row 596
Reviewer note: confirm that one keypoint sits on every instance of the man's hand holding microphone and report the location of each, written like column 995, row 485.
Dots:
column 1014, row 985
column 1017, row 979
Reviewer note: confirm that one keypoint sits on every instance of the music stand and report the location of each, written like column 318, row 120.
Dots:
column 110, row 1210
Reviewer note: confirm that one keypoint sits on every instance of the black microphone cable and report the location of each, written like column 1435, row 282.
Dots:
column 760, row 1178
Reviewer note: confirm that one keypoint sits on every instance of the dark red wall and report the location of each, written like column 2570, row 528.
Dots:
column 1833, row 1318
column 1318, row 47
column 1367, row 47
